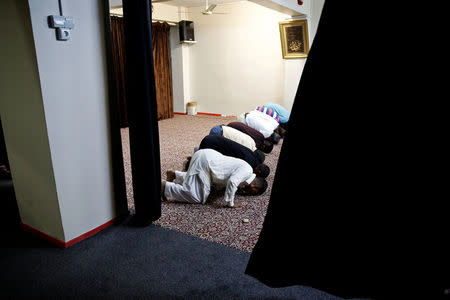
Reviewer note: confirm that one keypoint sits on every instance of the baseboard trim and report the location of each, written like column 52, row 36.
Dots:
column 42, row 235
column 60, row 243
column 207, row 114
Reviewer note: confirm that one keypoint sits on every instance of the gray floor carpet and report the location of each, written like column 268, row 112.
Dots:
column 128, row 262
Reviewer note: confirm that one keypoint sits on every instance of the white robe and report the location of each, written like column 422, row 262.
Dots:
column 261, row 122
column 209, row 167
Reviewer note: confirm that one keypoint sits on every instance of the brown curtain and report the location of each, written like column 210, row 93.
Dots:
column 118, row 41
column 163, row 74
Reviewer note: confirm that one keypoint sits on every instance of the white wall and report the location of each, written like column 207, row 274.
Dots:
column 293, row 70
column 161, row 11
column 113, row 3
column 180, row 73
column 230, row 88
column 236, row 63
column 315, row 13
column 165, row 12
column 23, row 120
column 54, row 107
column 294, row 67
column 73, row 80
column 289, row 7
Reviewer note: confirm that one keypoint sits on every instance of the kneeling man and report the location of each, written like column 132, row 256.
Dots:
column 208, row 167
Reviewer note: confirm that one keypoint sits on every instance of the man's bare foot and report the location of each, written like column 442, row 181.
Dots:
column 236, row 205
column 170, row 175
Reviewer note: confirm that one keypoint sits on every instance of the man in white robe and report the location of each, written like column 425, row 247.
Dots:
column 208, row 167
column 261, row 122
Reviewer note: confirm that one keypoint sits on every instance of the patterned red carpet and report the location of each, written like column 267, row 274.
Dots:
column 212, row 221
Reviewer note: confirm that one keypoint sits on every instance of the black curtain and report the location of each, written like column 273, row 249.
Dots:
column 355, row 207
column 142, row 110
column 120, row 195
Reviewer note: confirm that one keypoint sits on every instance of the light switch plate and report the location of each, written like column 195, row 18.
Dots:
column 56, row 21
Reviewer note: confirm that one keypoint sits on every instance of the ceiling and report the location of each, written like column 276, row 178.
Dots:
column 193, row 3
column 201, row 3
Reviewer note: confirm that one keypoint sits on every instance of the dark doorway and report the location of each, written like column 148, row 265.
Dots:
column 10, row 219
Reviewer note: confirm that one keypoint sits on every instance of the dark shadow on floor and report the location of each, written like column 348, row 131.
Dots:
column 124, row 261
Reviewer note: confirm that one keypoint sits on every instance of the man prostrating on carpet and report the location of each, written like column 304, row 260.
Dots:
column 208, row 167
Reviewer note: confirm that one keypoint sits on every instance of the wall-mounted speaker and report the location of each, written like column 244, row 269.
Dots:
column 186, row 31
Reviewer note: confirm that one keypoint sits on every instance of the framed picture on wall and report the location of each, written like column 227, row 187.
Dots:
column 294, row 39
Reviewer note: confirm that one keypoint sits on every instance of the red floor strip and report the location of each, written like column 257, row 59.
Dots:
column 60, row 243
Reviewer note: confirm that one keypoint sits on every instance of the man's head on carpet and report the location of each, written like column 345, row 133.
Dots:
column 257, row 187
column 259, row 155
column 261, row 170
column 267, row 146
column 274, row 138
